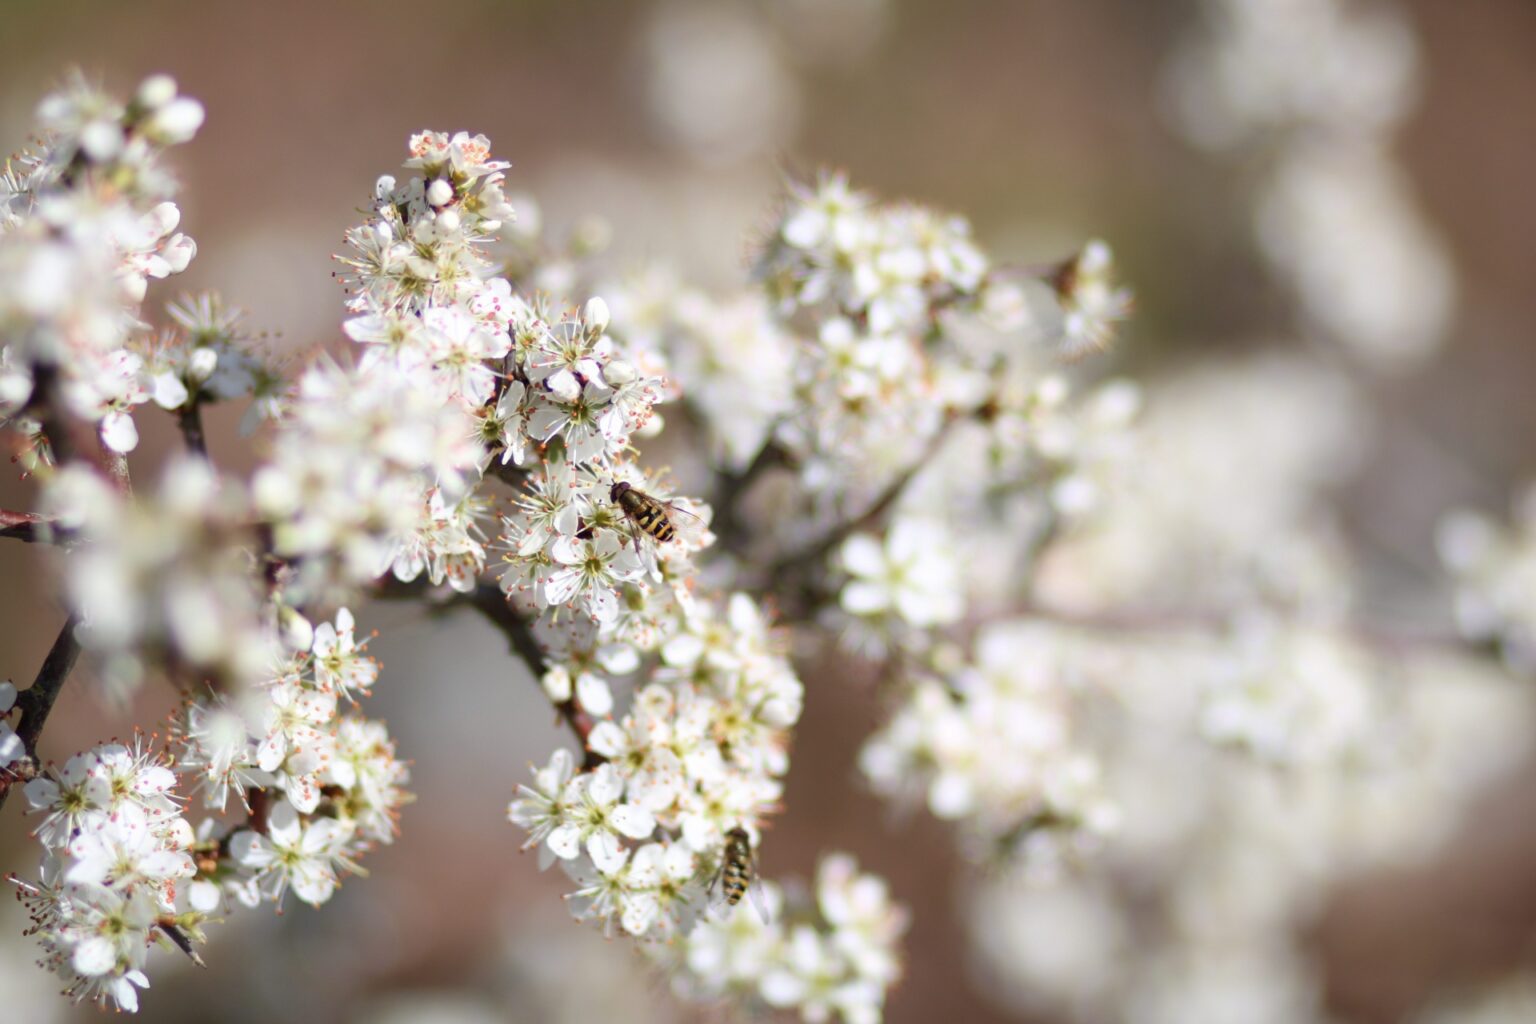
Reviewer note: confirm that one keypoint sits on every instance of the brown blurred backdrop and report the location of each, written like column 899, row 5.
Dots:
column 1040, row 120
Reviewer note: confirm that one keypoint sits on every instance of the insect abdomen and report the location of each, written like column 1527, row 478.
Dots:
column 737, row 875
column 650, row 516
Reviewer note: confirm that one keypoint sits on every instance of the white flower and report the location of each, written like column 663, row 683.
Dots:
column 340, row 664
column 123, row 851
column 594, row 819
column 293, row 853
column 913, row 574
column 541, row 808
column 590, row 571
column 659, row 898
column 459, row 345
column 1091, row 303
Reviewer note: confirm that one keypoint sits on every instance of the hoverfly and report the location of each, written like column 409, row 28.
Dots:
column 662, row 521
column 737, row 876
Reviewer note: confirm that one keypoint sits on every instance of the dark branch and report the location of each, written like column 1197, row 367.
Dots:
column 190, row 418
column 46, row 388
column 490, row 602
column 507, row 472
column 37, row 701
column 728, row 525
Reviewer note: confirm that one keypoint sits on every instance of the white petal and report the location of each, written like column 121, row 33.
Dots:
column 283, row 826
column 635, row 822
column 862, row 598
column 119, row 433
column 607, row 739
column 606, row 852
column 593, row 693
column 11, row 747
column 863, row 555
column 95, row 956
column 41, row 793
column 639, row 913
column 604, row 785
column 203, row 896
column 250, row 850
column 565, row 841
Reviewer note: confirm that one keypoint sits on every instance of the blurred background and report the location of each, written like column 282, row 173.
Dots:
column 672, row 126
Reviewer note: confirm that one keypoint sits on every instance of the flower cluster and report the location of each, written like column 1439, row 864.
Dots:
column 373, row 466
column 1292, row 693
column 166, row 577
column 1495, row 571
column 205, row 357
column 866, row 284
column 837, row 958
column 889, row 268
column 735, row 354
column 320, row 788
column 348, row 487
column 992, row 745
column 1320, row 86
column 700, row 752
column 1220, row 861
column 84, row 223
column 699, row 748
column 112, row 881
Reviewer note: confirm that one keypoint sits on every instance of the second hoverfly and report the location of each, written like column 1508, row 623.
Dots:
column 737, row 877
column 662, row 521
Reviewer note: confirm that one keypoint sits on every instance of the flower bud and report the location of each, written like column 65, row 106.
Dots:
column 119, row 433
column 168, row 391
column 448, row 222
column 595, row 314
column 439, row 193
column 384, row 186
column 557, row 684
column 201, row 363
column 297, row 632
column 177, row 121
column 101, row 140
column 618, row 373
column 156, row 91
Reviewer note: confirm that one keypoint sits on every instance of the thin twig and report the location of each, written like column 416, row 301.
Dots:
column 37, row 701
column 786, row 568
column 1373, row 636
column 28, row 527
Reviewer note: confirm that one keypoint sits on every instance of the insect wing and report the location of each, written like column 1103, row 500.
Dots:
column 690, row 529
column 758, row 898
column 716, row 899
